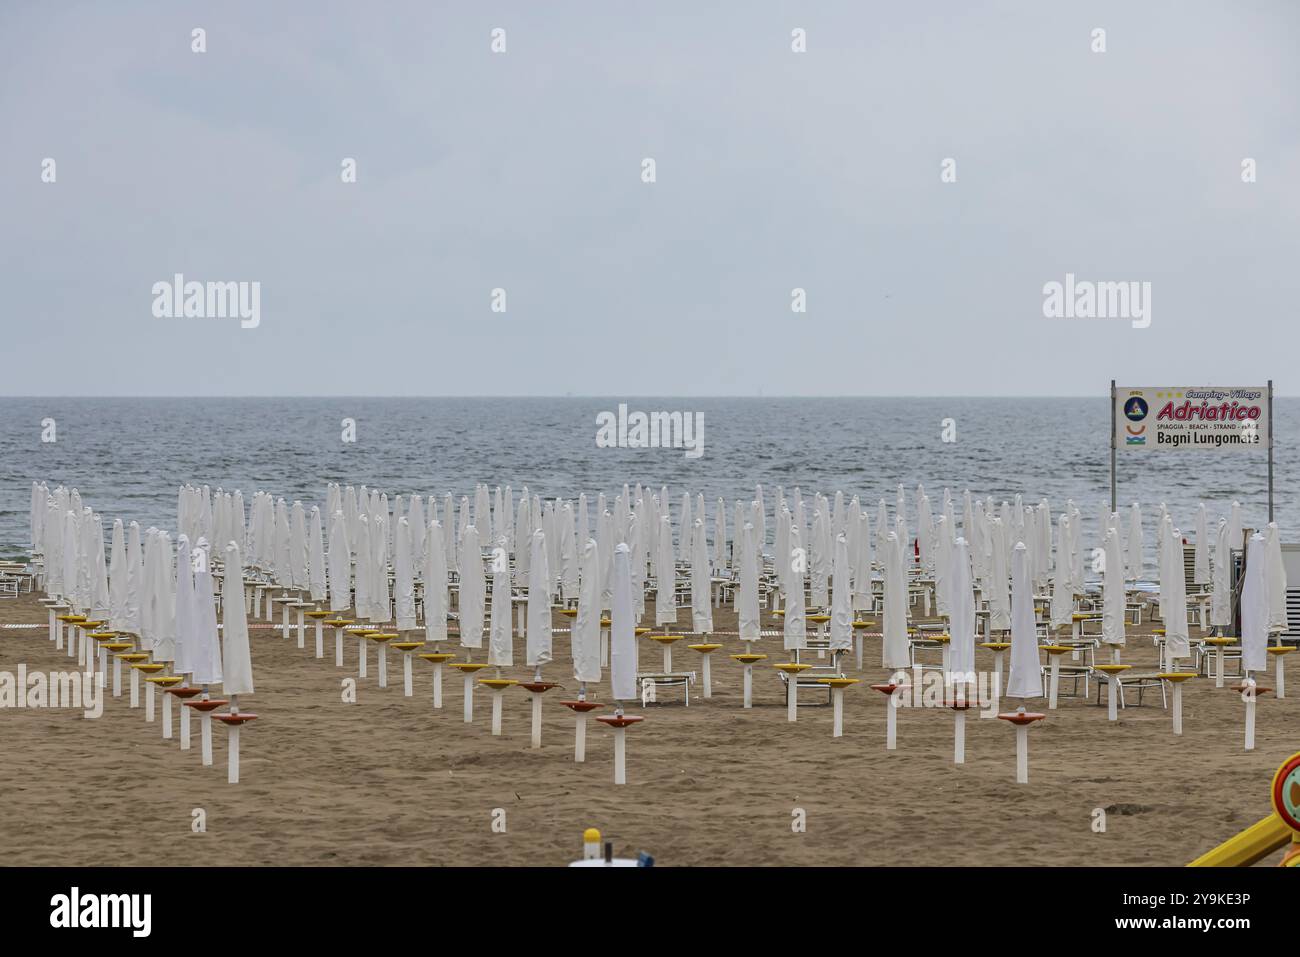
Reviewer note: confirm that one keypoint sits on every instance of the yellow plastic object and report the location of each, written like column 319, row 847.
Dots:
column 117, row 645
column 436, row 656
column 859, row 625
column 407, row 645
column 819, row 618
column 1280, row 649
column 995, row 645
column 1112, row 669
column 319, row 614
column 1055, row 649
column 791, row 667
column 666, row 639
column 131, row 656
column 1176, row 676
column 643, row 630
column 165, row 681
column 1221, row 640
column 705, row 648
column 591, row 836
column 838, row 682
column 468, row 666
column 496, row 684
column 1241, row 850
column 381, row 636
column 749, row 659
column 148, row 667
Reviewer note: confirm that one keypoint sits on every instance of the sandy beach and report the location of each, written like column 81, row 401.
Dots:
column 390, row 780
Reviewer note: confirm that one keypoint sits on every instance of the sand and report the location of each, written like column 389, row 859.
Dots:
column 389, row 780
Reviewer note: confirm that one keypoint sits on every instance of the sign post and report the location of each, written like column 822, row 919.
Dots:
column 1214, row 418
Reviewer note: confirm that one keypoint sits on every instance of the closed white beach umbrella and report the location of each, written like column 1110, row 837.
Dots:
column 501, row 643
column 340, row 565
column 101, row 605
column 117, row 579
column 1062, row 606
column 1202, row 564
column 1254, row 606
column 381, row 606
column 720, row 537
column 538, row 635
column 622, row 635
column 961, row 618
column 747, row 610
column 283, row 561
column 942, row 564
column 298, row 546
column 1234, row 526
column 404, row 583
column 999, row 596
column 665, row 596
column 1221, row 590
column 435, row 585
column 364, row 579
column 236, row 658
column 164, row 642
column 894, row 654
column 568, row 554
column 819, row 561
column 1275, row 575
column 701, row 605
column 924, row 529
column 473, row 589
column 684, row 530
column 206, row 648
column 186, row 640
column 1113, row 597
column 841, row 631
column 795, row 621
column 1176, row 634
column 419, row 531
column 1135, row 541
column 316, row 573
column 585, row 643
column 523, row 538
column 134, row 579
column 1025, row 680
column 863, row 599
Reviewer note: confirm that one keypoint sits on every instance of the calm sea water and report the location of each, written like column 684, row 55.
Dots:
column 127, row 456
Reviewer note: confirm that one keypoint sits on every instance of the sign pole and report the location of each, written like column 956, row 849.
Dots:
column 1112, row 450
column 1270, row 450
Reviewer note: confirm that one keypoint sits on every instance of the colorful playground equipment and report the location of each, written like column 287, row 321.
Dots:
column 1273, row 832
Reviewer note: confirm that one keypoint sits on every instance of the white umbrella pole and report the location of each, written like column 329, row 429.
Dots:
column 537, row 720
column 708, row 678
column 580, row 740
column 620, row 756
column 1281, row 678
column 1250, row 715
column 135, row 688
column 185, row 727
column 338, row 647
column 1022, row 754
column 149, row 703
column 205, row 724
column 58, row 634
column 167, row 717
column 383, row 665
column 407, row 682
column 1218, row 666
column 1178, row 708
column 959, row 738
column 837, row 697
column 792, row 698
column 361, row 652
column 437, row 684
column 469, row 699
column 1112, row 698
column 54, row 624
column 284, row 620
column 232, row 764
column 72, row 640
column 496, row 712
column 891, row 724
column 320, row 639
column 1054, row 683
column 102, row 671
column 302, row 630
column 749, row 685
column 117, row 677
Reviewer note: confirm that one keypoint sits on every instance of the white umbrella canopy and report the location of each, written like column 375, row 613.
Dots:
column 381, row 606
column 435, row 585
column 568, row 553
column 999, row 596
column 117, row 579
column 1177, row 640
column 450, row 536
column 404, row 584
column 54, row 549
column 298, row 546
column 583, row 517
column 585, row 643
column 318, row 579
column 134, row 579
column 1025, row 679
column 795, row 622
column 841, row 631
column 283, row 548
column 148, row 584
column 622, row 635
column 605, row 540
column 720, row 537
column 419, row 531
column 924, row 528
column 483, row 512
column 1202, row 564
column 538, row 636
column 85, row 560
column 863, row 599
column 1275, row 574
column 238, row 527
column 747, row 609
column 684, row 530
column 523, row 537
column 961, row 615
column 363, row 577
column 1134, row 546
column 1234, row 526
column 701, row 605
column 206, row 650
column 185, row 625
column 1164, row 559
column 164, row 642
column 665, row 570
column 1221, row 591
column 1254, row 606
column 340, row 565
column 1062, row 607
column 236, row 658
column 942, row 564
column 894, row 653
column 501, row 643
column 473, row 590
column 1113, row 596
column 819, row 561
column 638, row 534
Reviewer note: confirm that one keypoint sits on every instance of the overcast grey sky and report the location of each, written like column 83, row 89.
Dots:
column 522, row 170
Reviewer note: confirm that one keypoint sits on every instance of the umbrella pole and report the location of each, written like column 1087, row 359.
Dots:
column 102, row 671
column 117, row 677
column 891, row 724
column 708, row 678
column 837, row 697
column 167, row 717
column 959, row 737
column 469, row 699
column 232, row 763
column 1022, row 754
column 407, row 688
column 620, row 756
column 338, row 647
column 185, row 723
column 383, row 665
column 135, row 688
column 1250, row 714
column 1218, row 666
column 205, row 724
column 437, row 684
column 320, row 639
column 1178, row 708
column 361, row 652
column 149, row 704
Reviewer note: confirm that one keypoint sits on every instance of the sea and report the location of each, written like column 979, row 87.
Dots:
column 127, row 456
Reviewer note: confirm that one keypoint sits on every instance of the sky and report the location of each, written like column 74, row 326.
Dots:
column 523, row 171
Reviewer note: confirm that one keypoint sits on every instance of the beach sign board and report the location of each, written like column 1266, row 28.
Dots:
column 1192, row 417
